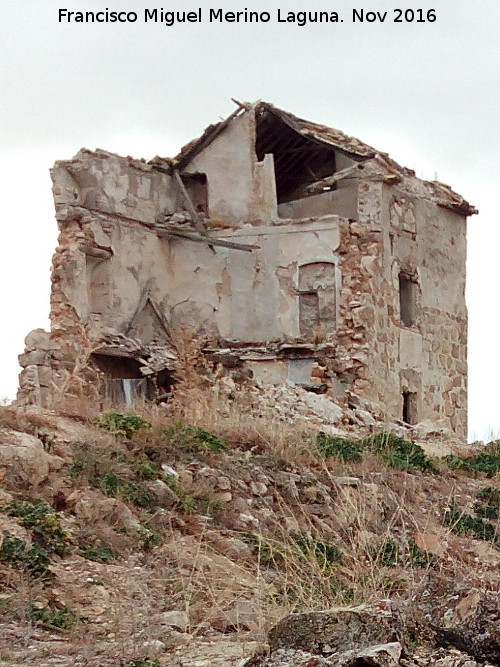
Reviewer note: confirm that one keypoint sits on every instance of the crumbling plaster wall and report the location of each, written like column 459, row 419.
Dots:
column 342, row 201
column 230, row 164
column 101, row 198
column 234, row 295
column 108, row 183
column 264, row 300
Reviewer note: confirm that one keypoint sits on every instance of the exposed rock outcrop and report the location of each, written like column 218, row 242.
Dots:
column 336, row 630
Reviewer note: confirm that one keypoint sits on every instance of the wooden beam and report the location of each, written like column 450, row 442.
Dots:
column 97, row 253
column 166, row 233
column 190, row 206
column 194, row 213
column 245, row 106
column 350, row 172
column 140, row 307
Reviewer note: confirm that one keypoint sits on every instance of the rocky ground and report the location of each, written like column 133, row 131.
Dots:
column 236, row 538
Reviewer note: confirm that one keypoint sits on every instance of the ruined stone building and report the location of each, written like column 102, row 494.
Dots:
column 305, row 254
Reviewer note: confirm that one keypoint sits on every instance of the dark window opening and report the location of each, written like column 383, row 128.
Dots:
column 410, row 407
column 298, row 160
column 407, row 300
column 117, row 367
column 124, row 384
column 197, row 189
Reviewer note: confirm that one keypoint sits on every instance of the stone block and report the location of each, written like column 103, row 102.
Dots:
column 38, row 339
column 340, row 628
column 34, row 357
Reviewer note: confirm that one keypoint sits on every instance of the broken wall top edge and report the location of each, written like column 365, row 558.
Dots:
column 443, row 194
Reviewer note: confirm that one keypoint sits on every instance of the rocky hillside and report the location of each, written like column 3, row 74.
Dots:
column 214, row 535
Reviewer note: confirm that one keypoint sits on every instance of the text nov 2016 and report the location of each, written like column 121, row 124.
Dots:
column 398, row 16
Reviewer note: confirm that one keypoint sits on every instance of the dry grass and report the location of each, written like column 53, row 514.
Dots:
column 78, row 390
column 312, row 542
column 275, row 576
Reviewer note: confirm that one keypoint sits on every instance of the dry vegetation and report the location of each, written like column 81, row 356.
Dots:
column 230, row 519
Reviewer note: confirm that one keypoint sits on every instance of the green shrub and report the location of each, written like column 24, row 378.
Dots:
column 143, row 468
column 114, row 485
column 394, row 451
column 465, row 524
column 47, row 535
column 488, row 503
column 419, row 557
column 486, row 462
column 151, row 539
column 387, row 554
column 391, row 554
column 339, row 448
column 490, row 494
column 269, row 552
column 486, row 511
column 275, row 552
column 397, row 452
column 193, row 438
column 41, row 519
column 100, row 553
column 146, row 469
column 211, row 505
column 79, row 466
column 139, row 663
column 64, row 619
column 15, row 553
column 124, row 426
column 325, row 553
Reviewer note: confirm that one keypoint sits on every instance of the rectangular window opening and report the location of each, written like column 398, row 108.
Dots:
column 123, row 384
column 197, row 189
column 407, row 300
column 98, row 285
column 410, row 408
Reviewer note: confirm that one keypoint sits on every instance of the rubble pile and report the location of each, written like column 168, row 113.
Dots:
column 349, row 417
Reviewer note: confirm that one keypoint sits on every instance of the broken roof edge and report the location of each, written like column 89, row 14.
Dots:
column 442, row 193
column 446, row 197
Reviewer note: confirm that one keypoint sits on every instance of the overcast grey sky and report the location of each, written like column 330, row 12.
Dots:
column 427, row 93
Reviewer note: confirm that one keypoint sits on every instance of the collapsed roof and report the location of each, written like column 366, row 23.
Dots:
column 299, row 146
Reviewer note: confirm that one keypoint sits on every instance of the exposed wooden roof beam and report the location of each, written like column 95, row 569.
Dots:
column 194, row 213
column 216, row 242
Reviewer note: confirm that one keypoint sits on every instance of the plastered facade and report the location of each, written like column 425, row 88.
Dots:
column 331, row 242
